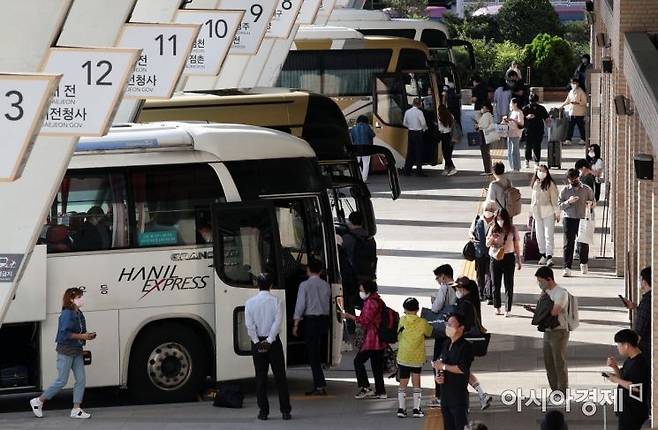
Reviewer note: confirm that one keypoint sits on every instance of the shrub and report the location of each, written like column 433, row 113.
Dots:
column 551, row 59
column 521, row 20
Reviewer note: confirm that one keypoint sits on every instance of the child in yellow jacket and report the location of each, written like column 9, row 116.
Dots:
column 412, row 332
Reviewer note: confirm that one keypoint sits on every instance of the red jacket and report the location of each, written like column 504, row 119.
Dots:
column 370, row 319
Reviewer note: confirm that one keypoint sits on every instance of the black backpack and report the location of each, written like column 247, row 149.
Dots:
column 365, row 257
column 228, row 396
column 388, row 329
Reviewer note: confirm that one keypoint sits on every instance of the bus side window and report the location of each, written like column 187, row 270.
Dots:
column 389, row 104
column 89, row 214
column 172, row 203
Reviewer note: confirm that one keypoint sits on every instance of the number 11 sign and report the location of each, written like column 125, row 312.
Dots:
column 23, row 99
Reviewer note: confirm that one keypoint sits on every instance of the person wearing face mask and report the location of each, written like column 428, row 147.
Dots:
column 478, row 235
column 596, row 162
column 536, row 116
column 503, row 95
column 642, row 322
column 497, row 187
column 443, row 303
column 556, row 334
column 576, row 103
column 575, row 200
column 503, row 238
column 633, row 380
column 586, row 173
column 71, row 337
column 515, row 121
column 485, row 125
column 545, row 211
column 453, row 369
column 583, row 71
column 372, row 347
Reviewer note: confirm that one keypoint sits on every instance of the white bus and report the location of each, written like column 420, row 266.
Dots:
column 165, row 227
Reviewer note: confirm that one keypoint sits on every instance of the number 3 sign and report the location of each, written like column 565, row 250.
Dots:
column 23, row 99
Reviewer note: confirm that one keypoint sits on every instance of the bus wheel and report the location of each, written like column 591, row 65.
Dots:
column 168, row 363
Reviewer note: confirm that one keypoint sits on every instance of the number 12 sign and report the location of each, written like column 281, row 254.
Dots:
column 23, row 99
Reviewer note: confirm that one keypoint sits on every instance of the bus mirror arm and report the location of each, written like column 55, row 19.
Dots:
column 469, row 47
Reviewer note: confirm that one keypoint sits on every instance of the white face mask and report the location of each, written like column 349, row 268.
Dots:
column 79, row 302
column 488, row 214
column 573, row 86
column 500, row 223
column 591, row 154
column 363, row 295
column 450, row 331
column 459, row 294
column 541, row 175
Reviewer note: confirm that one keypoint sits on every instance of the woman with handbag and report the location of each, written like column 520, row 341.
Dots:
column 515, row 121
column 545, row 211
column 487, row 128
column 505, row 251
column 446, row 126
column 71, row 337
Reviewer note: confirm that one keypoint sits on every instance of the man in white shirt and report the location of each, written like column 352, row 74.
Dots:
column 263, row 317
column 414, row 121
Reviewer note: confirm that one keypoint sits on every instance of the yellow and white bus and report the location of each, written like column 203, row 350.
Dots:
column 312, row 117
column 376, row 76
column 184, row 217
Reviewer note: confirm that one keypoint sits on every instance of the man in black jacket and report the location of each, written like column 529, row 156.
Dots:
column 642, row 322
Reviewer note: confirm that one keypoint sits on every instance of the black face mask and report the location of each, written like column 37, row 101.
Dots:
column 574, row 183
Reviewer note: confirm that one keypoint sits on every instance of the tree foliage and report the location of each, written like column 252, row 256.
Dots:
column 521, row 20
column 551, row 59
column 472, row 27
column 408, row 8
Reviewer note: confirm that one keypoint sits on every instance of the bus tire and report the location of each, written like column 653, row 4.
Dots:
column 168, row 363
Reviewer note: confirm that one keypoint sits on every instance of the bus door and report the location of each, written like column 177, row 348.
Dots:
column 246, row 244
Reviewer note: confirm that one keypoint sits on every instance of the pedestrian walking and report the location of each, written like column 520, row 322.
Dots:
column 360, row 248
column 443, row 303
column 480, row 93
column 453, row 369
column 362, row 134
column 642, row 321
column 312, row 310
column 497, row 187
column 263, row 318
column 576, row 105
column 505, row 251
column 575, row 200
column 502, row 98
column 452, row 99
column 555, row 327
column 594, row 158
column 535, row 124
column 71, row 338
column 515, row 122
column 486, row 126
column 372, row 347
column 633, row 380
column 412, row 331
column 446, row 124
column 414, row 122
column 545, row 212
column 586, row 174
column 583, row 71
column 478, row 235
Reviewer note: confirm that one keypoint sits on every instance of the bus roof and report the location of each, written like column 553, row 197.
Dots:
column 361, row 18
column 317, row 40
column 314, row 32
column 176, row 142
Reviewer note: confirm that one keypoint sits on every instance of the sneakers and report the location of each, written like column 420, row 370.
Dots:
column 435, row 403
column 363, row 393
column 37, row 407
column 549, row 262
column 79, row 414
column 402, row 413
column 316, row 392
column 542, row 261
column 452, row 172
column 382, row 396
column 567, row 142
column 527, row 164
column 418, row 413
column 445, row 172
column 485, row 401
column 508, row 314
column 566, row 273
column 584, row 269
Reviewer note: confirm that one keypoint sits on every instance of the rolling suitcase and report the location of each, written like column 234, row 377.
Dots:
column 530, row 245
column 554, row 154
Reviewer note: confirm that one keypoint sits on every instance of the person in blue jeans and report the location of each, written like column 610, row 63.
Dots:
column 515, row 120
column 71, row 337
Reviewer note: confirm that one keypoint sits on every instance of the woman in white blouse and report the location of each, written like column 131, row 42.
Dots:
column 545, row 210
column 515, row 122
column 594, row 158
column 487, row 127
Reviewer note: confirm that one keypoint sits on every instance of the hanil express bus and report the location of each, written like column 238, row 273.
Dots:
column 432, row 33
column 165, row 227
column 376, row 76
column 312, row 117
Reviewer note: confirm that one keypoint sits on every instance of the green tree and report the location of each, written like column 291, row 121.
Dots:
column 408, row 8
column 577, row 32
column 521, row 20
column 472, row 27
column 551, row 59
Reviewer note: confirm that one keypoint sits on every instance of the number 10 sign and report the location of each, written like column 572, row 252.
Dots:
column 23, row 99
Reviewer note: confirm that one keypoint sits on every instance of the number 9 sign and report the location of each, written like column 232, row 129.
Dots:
column 257, row 18
column 23, row 99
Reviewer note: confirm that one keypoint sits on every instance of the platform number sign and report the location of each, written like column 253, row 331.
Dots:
column 23, row 100
column 165, row 51
column 254, row 25
column 218, row 29
column 93, row 81
column 309, row 12
column 326, row 8
column 283, row 19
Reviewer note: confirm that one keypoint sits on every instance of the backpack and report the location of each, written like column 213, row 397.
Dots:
column 365, row 257
column 388, row 329
column 513, row 203
column 573, row 320
column 228, row 396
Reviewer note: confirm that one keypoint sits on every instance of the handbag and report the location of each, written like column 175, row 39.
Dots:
column 457, row 134
column 586, row 230
column 498, row 252
column 474, row 138
column 491, row 135
column 478, row 337
column 502, row 130
column 469, row 251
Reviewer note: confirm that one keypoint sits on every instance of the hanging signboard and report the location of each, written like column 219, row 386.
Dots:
column 309, row 12
column 165, row 51
column 252, row 29
column 23, row 100
column 283, row 19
